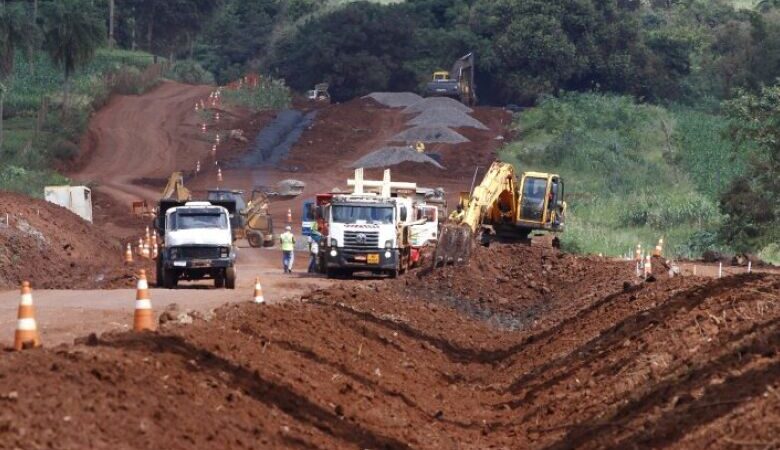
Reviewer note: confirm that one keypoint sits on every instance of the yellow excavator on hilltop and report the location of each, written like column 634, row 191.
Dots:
column 503, row 207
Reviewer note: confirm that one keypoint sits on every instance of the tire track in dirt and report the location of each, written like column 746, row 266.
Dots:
column 134, row 137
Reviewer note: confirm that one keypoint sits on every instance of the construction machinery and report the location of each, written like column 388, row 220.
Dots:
column 175, row 188
column 258, row 224
column 457, row 83
column 319, row 93
column 504, row 207
column 381, row 227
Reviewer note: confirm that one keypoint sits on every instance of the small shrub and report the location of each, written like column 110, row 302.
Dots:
column 268, row 94
column 64, row 150
column 190, row 72
column 771, row 254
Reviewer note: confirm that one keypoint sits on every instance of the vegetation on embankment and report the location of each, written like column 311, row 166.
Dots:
column 39, row 134
column 625, row 182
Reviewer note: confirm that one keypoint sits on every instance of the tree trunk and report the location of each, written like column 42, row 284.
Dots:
column 66, row 95
column 149, row 29
column 30, row 48
column 110, row 23
column 2, row 131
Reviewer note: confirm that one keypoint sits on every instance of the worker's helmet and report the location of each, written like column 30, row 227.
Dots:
column 288, row 228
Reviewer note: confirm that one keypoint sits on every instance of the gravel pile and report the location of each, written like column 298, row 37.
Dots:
column 437, row 102
column 429, row 135
column 395, row 99
column 390, row 156
column 446, row 117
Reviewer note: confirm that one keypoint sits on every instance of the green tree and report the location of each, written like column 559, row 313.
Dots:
column 17, row 31
column 73, row 30
column 753, row 200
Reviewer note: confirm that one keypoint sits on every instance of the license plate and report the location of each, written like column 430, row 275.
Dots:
column 360, row 258
column 373, row 258
column 180, row 263
column 201, row 263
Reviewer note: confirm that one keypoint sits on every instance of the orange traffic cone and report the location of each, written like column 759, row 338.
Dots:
column 197, row 107
column 26, row 327
column 197, row 167
column 219, row 174
column 214, row 150
column 216, row 139
column 203, row 127
column 648, row 267
column 659, row 249
column 289, row 215
column 143, row 317
column 638, row 253
column 141, row 247
column 129, row 254
column 216, row 117
column 258, row 292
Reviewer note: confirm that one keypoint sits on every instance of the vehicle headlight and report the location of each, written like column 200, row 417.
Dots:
column 333, row 252
column 333, row 242
column 174, row 253
column 388, row 254
column 224, row 252
column 389, row 244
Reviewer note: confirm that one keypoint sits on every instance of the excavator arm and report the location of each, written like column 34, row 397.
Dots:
column 175, row 188
column 498, row 184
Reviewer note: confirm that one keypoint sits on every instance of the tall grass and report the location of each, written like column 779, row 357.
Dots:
column 268, row 94
column 623, row 185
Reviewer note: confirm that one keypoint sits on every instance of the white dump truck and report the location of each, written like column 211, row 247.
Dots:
column 197, row 243
column 380, row 232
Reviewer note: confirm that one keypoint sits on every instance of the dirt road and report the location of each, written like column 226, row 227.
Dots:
column 143, row 136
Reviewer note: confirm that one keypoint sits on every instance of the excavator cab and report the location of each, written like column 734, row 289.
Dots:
column 541, row 204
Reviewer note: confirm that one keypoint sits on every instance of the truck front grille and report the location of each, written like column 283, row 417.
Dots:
column 361, row 240
column 199, row 252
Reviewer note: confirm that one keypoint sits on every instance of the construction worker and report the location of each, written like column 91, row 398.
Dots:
column 287, row 241
column 457, row 215
column 314, row 250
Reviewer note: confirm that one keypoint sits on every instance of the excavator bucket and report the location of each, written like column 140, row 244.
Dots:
column 454, row 246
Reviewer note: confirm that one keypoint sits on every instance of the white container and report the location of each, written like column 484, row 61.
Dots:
column 77, row 199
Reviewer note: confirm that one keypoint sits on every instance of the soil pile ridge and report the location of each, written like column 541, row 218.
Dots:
column 55, row 249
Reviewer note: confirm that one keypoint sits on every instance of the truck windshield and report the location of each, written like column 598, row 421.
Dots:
column 184, row 221
column 534, row 189
column 363, row 213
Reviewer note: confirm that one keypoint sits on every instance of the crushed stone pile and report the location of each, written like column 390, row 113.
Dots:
column 446, row 117
column 437, row 102
column 430, row 135
column 395, row 99
column 390, row 156
column 55, row 249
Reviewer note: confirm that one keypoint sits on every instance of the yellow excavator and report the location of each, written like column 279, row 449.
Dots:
column 175, row 189
column 503, row 207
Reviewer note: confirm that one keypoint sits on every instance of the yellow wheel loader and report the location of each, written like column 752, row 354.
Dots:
column 503, row 207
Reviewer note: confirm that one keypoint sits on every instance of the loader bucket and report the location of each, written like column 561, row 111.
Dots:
column 454, row 246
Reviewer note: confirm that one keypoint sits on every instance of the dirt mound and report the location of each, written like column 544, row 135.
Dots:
column 391, row 156
column 54, row 248
column 395, row 99
column 607, row 361
column 446, row 117
column 428, row 135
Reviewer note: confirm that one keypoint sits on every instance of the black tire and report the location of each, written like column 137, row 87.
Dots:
column 255, row 239
column 159, row 272
column 170, row 278
column 230, row 278
column 219, row 280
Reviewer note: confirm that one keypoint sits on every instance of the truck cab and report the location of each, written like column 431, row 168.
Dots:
column 197, row 244
column 363, row 234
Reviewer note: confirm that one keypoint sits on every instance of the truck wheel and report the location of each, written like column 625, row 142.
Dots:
column 170, row 279
column 159, row 273
column 254, row 238
column 219, row 281
column 230, row 278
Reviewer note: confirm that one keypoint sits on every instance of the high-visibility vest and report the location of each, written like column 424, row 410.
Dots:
column 288, row 241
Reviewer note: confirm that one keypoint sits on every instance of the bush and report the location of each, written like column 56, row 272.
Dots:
column 268, row 94
column 64, row 150
column 190, row 72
